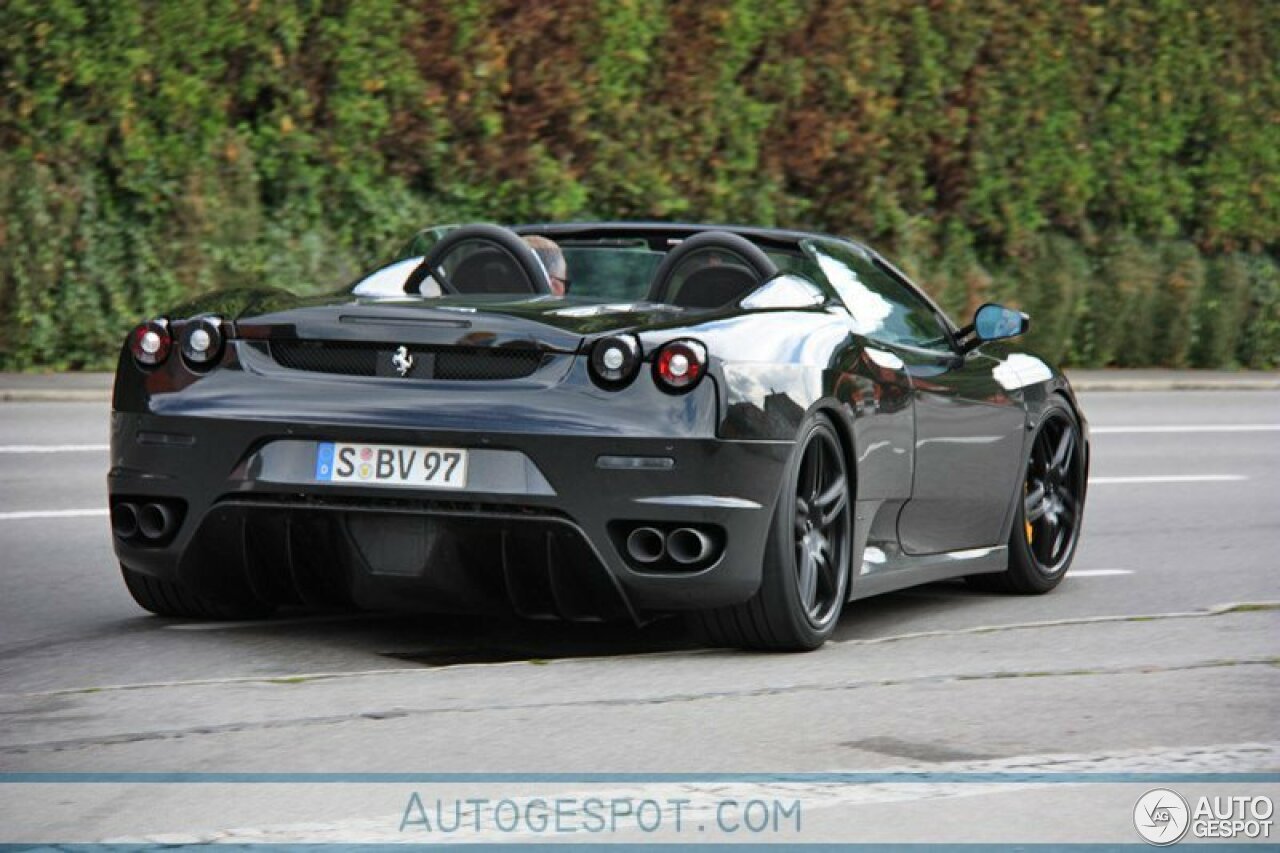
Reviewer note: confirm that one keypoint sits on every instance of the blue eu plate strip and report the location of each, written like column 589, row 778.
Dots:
column 324, row 461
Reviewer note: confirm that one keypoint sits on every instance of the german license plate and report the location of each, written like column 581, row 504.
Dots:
column 392, row 465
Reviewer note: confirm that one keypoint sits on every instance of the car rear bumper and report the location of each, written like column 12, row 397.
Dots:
column 540, row 529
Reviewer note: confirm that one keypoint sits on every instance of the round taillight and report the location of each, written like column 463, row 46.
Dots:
column 150, row 343
column 615, row 360
column 679, row 365
column 202, row 341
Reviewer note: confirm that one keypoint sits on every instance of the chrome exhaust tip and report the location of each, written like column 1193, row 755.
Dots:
column 646, row 545
column 124, row 520
column 686, row 545
column 155, row 521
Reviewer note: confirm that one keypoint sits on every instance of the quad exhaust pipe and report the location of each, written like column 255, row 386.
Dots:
column 124, row 520
column 150, row 521
column 646, row 545
column 684, row 546
column 155, row 521
column 687, row 545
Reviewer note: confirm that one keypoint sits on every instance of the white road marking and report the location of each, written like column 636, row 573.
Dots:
column 1175, row 428
column 1098, row 573
column 51, row 513
column 53, row 448
column 1168, row 478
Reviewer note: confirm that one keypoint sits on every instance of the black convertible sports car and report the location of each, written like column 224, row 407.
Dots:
column 751, row 426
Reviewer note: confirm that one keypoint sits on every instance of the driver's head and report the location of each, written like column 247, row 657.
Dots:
column 553, row 259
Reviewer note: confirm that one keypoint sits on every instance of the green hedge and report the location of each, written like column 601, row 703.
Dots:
column 1114, row 168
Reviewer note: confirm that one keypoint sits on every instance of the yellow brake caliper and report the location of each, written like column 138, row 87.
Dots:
column 1030, row 533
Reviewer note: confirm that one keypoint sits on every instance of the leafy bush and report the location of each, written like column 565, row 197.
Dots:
column 1222, row 312
column 1114, row 168
column 1260, row 343
column 1117, row 314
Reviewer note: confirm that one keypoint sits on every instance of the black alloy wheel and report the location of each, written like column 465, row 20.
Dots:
column 805, row 577
column 821, row 529
column 1050, row 508
column 1054, row 494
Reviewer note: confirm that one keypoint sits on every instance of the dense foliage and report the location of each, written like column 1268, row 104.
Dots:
column 1114, row 168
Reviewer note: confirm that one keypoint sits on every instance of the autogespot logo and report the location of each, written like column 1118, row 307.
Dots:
column 1161, row 816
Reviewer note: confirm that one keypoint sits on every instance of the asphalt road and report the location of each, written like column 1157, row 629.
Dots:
column 1132, row 660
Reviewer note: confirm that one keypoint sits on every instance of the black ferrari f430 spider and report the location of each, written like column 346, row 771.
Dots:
column 749, row 426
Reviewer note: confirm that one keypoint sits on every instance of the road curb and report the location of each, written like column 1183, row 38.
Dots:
column 41, row 395
column 1189, row 384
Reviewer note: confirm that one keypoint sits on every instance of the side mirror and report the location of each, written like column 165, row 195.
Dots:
column 994, row 322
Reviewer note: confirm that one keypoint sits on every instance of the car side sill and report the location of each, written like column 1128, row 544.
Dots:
column 881, row 573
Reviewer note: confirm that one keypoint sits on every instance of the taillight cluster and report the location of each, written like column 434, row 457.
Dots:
column 150, row 343
column 200, row 341
column 615, row 360
column 677, row 365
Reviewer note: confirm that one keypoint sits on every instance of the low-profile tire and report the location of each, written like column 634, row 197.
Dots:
column 805, row 573
column 165, row 598
column 1049, row 509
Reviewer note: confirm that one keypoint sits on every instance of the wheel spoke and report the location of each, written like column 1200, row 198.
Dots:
column 1055, row 529
column 1058, row 539
column 808, row 579
column 808, row 486
column 1034, row 504
column 815, row 482
column 1062, row 455
column 827, row 567
column 802, row 515
column 1068, row 511
column 831, row 502
column 1041, row 453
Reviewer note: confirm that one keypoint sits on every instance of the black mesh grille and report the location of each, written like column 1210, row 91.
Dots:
column 456, row 364
column 350, row 359
column 467, row 365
